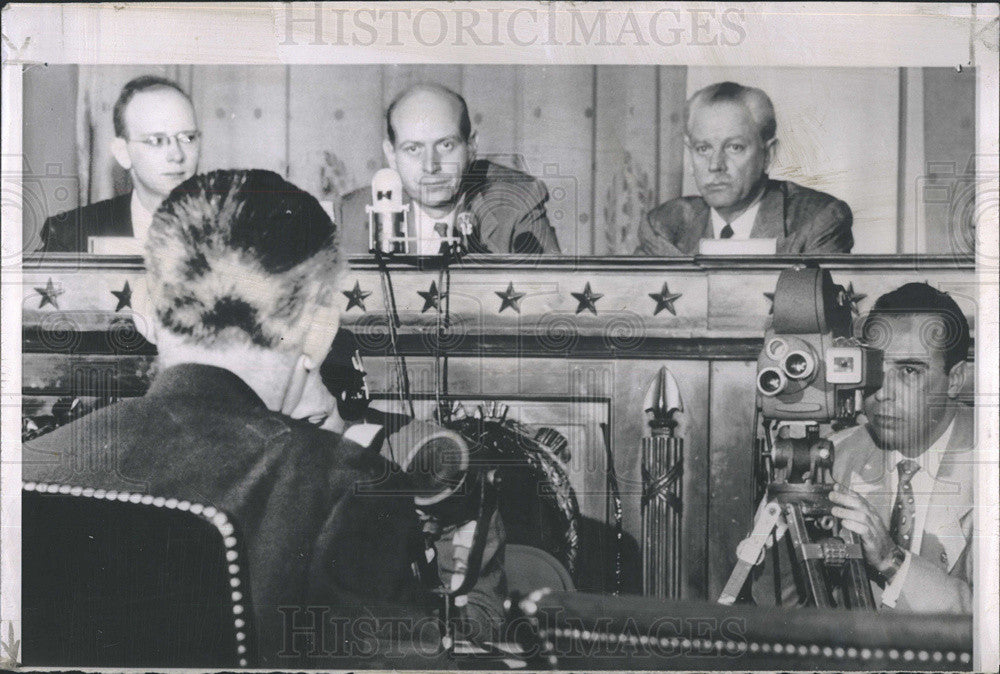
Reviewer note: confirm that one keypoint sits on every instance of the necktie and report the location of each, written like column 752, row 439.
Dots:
column 726, row 233
column 904, row 512
column 441, row 228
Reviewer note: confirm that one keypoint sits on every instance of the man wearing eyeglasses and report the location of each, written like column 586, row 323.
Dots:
column 158, row 142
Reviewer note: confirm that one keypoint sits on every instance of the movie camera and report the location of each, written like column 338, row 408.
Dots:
column 811, row 371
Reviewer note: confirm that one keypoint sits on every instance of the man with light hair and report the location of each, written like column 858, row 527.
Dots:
column 241, row 268
column 730, row 136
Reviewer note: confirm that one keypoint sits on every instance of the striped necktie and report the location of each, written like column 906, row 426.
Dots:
column 904, row 511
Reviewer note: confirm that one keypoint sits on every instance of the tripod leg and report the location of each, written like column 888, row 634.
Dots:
column 811, row 567
column 857, row 589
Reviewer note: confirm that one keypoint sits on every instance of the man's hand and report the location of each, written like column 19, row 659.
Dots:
column 857, row 515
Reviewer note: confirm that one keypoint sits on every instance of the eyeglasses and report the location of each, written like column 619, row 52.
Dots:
column 159, row 140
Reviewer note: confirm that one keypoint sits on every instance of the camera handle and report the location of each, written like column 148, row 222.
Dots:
column 750, row 552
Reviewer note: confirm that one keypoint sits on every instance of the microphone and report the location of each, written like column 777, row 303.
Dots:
column 343, row 374
column 436, row 459
column 386, row 214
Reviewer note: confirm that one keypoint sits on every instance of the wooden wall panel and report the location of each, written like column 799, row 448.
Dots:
column 670, row 160
column 557, row 139
column 632, row 378
column 493, row 93
column 730, row 466
column 335, row 127
column 947, row 183
column 625, row 156
column 52, row 179
column 243, row 116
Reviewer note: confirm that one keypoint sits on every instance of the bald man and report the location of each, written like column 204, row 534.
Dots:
column 730, row 137
column 158, row 142
column 430, row 143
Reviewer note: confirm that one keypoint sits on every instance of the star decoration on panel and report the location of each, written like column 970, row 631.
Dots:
column 510, row 298
column 356, row 297
column 124, row 297
column 587, row 299
column 49, row 294
column 854, row 298
column 665, row 300
column 432, row 298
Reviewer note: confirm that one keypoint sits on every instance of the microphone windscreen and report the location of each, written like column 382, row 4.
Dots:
column 387, row 192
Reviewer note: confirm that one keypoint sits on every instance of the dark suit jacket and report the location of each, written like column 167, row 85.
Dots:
column 804, row 221
column 507, row 209
column 940, row 577
column 68, row 232
column 312, row 538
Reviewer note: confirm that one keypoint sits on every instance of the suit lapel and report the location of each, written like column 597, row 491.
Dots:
column 701, row 227
column 486, row 226
column 122, row 215
column 949, row 520
column 770, row 221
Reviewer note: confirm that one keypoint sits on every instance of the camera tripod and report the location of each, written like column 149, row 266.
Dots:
column 829, row 559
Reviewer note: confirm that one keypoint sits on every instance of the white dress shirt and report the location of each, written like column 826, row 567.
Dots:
column 429, row 240
column 923, row 486
column 741, row 226
column 141, row 220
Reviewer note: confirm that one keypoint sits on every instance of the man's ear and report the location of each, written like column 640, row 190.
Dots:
column 956, row 378
column 390, row 154
column 771, row 148
column 119, row 148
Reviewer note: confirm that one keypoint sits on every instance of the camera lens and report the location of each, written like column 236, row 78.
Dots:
column 799, row 365
column 771, row 381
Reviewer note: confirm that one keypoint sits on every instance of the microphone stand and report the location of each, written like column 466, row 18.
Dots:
column 392, row 318
column 487, row 482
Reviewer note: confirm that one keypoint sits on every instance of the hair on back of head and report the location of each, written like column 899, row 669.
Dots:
column 948, row 333
column 755, row 100
column 137, row 86
column 464, row 122
column 237, row 256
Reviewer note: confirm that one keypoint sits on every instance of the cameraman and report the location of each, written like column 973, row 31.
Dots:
column 905, row 478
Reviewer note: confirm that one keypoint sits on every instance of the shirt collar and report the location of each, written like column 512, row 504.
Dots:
column 429, row 240
column 930, row 460
column 742, row 225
